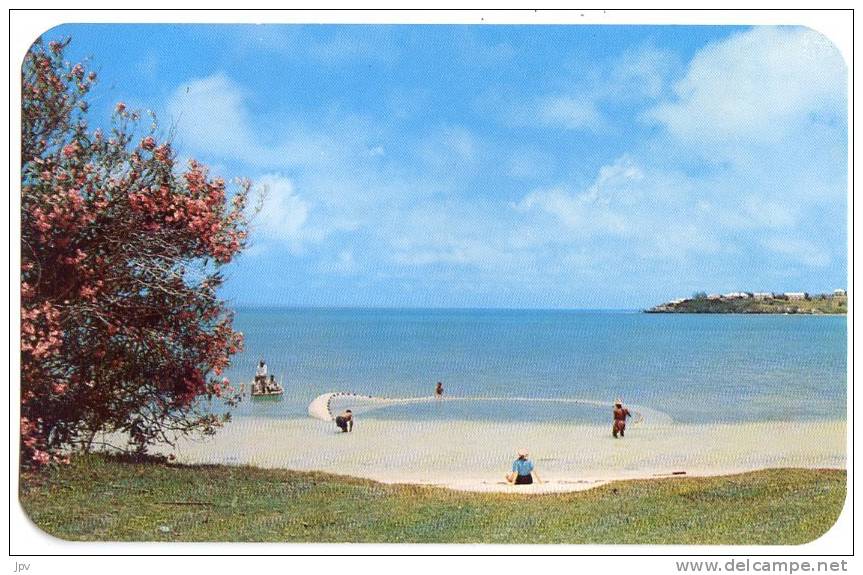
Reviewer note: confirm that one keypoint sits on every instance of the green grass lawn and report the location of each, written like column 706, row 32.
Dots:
column 98, row 498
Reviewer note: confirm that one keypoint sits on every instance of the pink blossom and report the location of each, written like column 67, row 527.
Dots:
column 41, row 457
column 87, row 292
column 80, row 330
column 70, row 150
column 162, row 153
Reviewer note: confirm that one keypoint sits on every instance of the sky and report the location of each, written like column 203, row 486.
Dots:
column 503, row 166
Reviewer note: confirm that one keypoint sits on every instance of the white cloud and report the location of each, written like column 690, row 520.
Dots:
column 362, row 197
column 634, row 211
column 570, row 112
column 448, row 145
column 344, row 48
column 284, row 214
column 566, row 207
column 601, row 208
column 641, row 72
column 343, row 263
column 331, row 183
column 767, row 212
column 335, row 47
column 621, row 172
column 467, row 252
column 636, row 74
column 801, row 250
column 334, row 164
column 759, row 119
column 756, row 87
column 447, row 232
column 530, row 163
column 628, row 214
column 675, row 239
column 210, row 115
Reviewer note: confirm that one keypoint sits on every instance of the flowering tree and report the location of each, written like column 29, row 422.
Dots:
column 121, row 328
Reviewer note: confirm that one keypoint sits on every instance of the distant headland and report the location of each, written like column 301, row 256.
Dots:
column 758, row 302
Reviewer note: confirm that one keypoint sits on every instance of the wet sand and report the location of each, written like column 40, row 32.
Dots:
column 475, row 455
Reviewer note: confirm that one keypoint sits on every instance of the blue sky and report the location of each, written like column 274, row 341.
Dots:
column 504, row 166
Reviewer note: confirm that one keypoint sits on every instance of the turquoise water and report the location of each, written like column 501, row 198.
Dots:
column 695, row 368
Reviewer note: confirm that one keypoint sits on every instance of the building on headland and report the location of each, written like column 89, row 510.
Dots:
column 834, row 302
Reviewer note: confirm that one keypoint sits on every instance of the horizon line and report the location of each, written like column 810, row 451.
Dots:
column 426, row 308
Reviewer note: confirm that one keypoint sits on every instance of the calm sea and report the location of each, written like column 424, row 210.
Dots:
column 695, row 368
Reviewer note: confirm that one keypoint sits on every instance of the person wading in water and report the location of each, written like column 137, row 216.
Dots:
column 620, row 415
column 345, row 421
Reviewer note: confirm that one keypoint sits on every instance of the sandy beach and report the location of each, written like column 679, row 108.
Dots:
column 475, row 455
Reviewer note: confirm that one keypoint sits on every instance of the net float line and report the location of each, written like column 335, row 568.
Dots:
column 321, row 406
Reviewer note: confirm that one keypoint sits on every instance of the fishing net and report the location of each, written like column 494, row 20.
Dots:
column 326, row 406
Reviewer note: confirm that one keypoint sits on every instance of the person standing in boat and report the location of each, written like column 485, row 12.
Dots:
column 620, row 414
column 345, row 421
column 261, row 377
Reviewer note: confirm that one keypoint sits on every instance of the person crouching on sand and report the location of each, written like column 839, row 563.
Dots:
column 523, row 472
column 345, row 421
column 620, row 415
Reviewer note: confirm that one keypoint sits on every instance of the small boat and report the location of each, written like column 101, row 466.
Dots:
column 267, row 392
column 263, row 387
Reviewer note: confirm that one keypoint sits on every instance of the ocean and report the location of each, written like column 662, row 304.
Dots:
column 694, row 368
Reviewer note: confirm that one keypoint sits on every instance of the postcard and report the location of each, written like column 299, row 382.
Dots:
column 467, row 283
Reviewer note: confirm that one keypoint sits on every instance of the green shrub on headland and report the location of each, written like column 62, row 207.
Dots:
column 815, row 305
